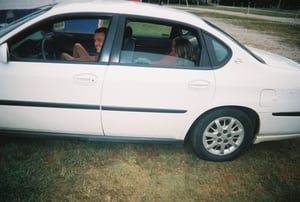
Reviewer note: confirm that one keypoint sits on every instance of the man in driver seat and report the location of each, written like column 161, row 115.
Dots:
column 81, row 54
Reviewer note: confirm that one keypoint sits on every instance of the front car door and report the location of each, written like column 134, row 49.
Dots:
column 39, row 92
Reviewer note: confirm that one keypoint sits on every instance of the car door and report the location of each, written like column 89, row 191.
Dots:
column 41, row 94
column 51, row 97
column 144, row 99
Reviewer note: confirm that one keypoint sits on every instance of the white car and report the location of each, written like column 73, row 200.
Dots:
column 225, row 99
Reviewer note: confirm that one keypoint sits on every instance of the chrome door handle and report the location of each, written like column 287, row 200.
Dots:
column 199, row 84
column 86, row 78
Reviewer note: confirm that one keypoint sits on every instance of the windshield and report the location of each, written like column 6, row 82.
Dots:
column 237, row 42
column 11, row 26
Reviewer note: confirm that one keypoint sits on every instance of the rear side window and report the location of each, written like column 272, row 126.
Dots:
column 238, row 43
column 160, row 44
column 219, row 53
column 150, row 29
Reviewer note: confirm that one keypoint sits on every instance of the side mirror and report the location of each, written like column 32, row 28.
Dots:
column 4, row 53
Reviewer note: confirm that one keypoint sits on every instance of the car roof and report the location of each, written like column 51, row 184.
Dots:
column 126, row 7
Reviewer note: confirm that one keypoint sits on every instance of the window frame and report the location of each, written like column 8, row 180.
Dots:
column 212, row 56
column 117, row 47
column 51, row 20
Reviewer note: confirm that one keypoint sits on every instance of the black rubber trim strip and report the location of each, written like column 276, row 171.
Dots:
column 286, row 114
column 88, row 137
column 88, row 107
column 48, row 105
column 149, row 110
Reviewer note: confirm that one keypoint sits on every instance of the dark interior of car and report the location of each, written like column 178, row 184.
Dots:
column 47, row 42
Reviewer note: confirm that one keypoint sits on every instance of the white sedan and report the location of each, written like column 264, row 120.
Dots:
column 224, row 99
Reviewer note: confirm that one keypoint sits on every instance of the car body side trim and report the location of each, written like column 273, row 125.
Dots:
column 267, row 138
column 286, row 114
column 87, row 137
column 88, row 107
column 150, row 110
column 48, row 105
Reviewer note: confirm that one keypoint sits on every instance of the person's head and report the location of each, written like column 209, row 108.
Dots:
column 183, row 48
column 99, row 37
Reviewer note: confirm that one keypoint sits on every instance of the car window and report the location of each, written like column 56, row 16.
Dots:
column 80, row 25
column 55, row 38
column 150, row 29
column 236, row 42
column 13, row 25
column 152, row 43
column 219, row 53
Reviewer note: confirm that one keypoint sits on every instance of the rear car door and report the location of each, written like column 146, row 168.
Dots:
column 145, row 98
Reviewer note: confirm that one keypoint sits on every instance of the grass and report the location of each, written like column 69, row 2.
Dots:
column 36, row 169
column 71, row 170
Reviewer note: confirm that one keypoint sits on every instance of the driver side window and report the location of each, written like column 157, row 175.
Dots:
column 50, row 39
column 27, row 46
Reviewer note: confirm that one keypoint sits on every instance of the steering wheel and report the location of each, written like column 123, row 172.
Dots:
column 47, row 48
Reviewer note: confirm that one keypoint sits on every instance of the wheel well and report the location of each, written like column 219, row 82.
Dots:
column 253, row 116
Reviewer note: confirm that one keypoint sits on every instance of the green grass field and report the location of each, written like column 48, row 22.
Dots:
column 40, row 169
column 68, row 170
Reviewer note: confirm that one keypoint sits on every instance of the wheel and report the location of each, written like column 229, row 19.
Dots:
column 222, row 134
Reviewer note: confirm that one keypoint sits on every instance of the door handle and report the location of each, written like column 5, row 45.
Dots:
column 199, row 84
column 85, row 79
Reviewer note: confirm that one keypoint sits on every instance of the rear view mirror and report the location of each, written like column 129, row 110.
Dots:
column 4, row 53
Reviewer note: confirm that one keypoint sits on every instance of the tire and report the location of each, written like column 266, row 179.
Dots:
column 222, row 134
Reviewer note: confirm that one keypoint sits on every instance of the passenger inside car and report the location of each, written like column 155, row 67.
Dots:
column 81, row 54
column 182, row 52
